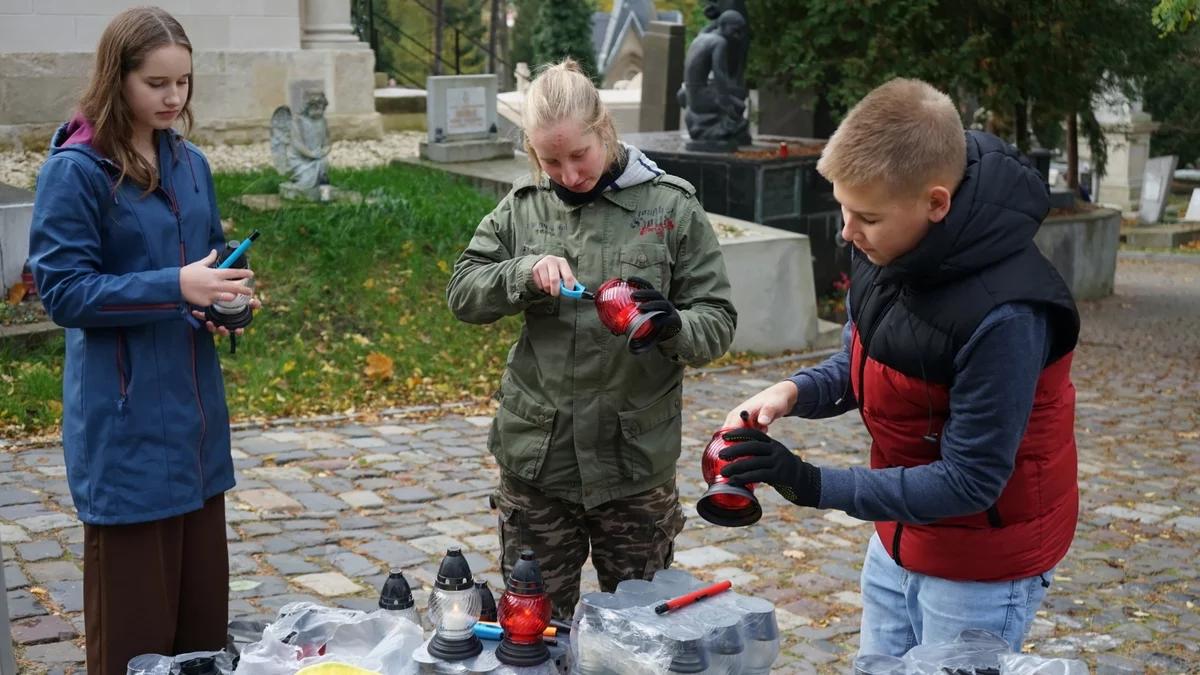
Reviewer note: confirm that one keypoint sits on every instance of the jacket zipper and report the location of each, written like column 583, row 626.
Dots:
column 862, row 403
column 121, row 383
column 174, row 206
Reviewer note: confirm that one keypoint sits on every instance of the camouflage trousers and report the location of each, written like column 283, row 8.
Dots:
column 629, row 538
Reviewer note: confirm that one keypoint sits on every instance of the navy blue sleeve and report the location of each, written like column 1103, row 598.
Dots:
column 823, row 390
column 996, row 374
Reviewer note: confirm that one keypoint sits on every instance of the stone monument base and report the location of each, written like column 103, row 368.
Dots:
column 319, row 193
column 466, row 151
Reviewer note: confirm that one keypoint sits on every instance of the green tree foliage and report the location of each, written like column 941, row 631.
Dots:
column 1172, row 95
column 405, row 34
column 564, row 28
column 1172, row 16
column 1031, row 64
column 521, row 37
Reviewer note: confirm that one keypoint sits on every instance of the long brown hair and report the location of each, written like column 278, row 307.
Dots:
column 129, row 37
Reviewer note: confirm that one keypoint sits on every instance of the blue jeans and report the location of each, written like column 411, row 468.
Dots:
column 902, row 609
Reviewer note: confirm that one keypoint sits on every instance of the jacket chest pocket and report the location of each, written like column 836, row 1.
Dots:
column 647, row 261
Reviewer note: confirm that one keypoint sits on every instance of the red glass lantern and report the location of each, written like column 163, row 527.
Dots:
column 618, row 311
column 725, row 503
column 524, row 613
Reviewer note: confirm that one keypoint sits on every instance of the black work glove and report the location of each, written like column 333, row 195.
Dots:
column 648, row 299
column 769, row 461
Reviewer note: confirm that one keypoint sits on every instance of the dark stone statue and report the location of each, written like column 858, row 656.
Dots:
column 714, row 91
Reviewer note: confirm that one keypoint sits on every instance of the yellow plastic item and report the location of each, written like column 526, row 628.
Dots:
column 334, row 668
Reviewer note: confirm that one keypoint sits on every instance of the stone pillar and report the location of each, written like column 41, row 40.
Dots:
column 662, row 54
column 1127, row 129
column 325, row 24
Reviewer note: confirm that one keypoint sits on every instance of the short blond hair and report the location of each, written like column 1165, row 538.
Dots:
column 905, row 134
column 563, row 92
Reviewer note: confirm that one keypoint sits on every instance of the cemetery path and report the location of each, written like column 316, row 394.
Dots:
column 321, row 511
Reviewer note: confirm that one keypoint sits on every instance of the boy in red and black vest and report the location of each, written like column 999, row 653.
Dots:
column 957, row 355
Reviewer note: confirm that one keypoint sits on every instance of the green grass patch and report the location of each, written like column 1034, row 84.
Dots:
column 354, row 315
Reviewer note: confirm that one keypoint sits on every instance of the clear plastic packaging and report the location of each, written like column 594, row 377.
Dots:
column 157, row 664
column 306, row 634
column 972, row 652
column 621, row 634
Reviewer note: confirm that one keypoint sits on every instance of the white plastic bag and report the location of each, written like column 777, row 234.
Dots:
column 306, row 634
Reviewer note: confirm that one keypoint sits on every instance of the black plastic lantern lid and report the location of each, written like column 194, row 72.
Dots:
column 396, row 594
column 203, row 665
column 526, row 577
column 487, row 601
column 454, row 574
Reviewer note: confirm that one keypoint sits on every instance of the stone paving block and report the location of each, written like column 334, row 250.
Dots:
column 41, row 629
column 289, row 565
column 54, row 570
column 68, row 595
column 23, row 604
column 366, row 442
column 842, row 518
column 48, row 522
column 14, row 577
column 319, row 503
column 1185, row 523
column 455, row 527
column 354, row 565
column 436, row 544
column 395, row 554
column 55, row 653
column 328, row 584
column 703, row 557
column 268, row 500
column 242, row 564
column 12, row 534
column 278, row 473
column 411, row 494
column 10, row 496
column 393, row 430
column 1128, row 514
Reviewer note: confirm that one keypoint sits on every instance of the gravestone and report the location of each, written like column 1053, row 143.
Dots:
column 461, row 119
column 662, row 77
column 1156, row 185
column 1193, row 209
column 16, row 214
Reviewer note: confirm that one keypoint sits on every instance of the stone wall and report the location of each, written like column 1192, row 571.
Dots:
column 246, row 51
column 1083, row 248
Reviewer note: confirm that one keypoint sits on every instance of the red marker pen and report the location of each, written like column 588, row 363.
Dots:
column 685, row 600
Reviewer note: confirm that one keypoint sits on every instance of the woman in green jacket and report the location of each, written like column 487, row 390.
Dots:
column 587, row 434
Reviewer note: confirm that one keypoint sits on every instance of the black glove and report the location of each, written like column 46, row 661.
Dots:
column 668, row 324
column 769, row 461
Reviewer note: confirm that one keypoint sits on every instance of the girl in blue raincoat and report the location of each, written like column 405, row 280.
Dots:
column 124, row 237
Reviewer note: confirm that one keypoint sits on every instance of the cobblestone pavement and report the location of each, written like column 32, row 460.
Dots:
column 320, row 512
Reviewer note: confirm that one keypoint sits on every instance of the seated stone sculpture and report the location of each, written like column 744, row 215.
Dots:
column 712, row 93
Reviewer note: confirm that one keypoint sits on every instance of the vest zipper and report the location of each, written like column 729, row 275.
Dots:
column 862, row 402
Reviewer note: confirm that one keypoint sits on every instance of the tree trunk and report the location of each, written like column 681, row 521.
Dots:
column 1021, row 122
column 437, row 37
column 1073, row 151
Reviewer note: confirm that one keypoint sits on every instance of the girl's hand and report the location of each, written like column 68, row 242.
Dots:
column 201, row 284
column 551, row 271
column 221, row 330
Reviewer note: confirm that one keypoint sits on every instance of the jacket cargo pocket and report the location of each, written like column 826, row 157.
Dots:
column 650, row 436
column 520, row 434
